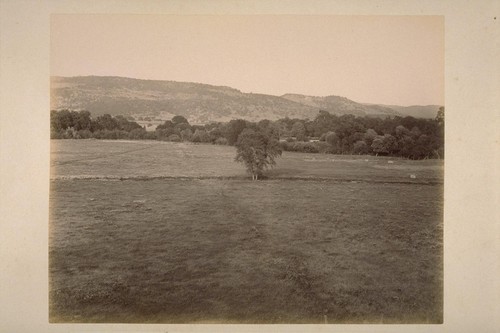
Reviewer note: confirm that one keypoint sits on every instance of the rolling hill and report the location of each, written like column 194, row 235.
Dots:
column 199, row 103
column 341, row 105
column 417, row 111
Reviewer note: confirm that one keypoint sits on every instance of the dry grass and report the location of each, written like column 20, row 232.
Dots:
column 129, row 159
column 219, row 250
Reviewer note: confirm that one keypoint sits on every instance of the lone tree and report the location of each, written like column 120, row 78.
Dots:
column 257, row 151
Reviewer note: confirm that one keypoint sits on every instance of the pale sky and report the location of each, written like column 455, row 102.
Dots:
column 369, row 59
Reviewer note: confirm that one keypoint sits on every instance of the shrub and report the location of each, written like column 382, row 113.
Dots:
column 221, row 141
column 186, row 134
column 163, row 134
column 323, row 147
column 174, row 138
column 286, row 146
column 332, row 139
column 302, row 147
column 150, row 136
column 306, row 147
column 68, row 134
column 83, row 134
column 137, row 134
column 200, row 136
column 54, row 134
column 360, row 147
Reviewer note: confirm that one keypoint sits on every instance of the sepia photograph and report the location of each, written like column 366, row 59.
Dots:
column 249, row 166
column 246, row 169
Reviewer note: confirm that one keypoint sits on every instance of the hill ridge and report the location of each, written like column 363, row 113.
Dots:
column 198, row 102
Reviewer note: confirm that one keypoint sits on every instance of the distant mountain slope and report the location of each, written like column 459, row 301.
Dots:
column 199, row 103
column 341, row 105
column 417, row 111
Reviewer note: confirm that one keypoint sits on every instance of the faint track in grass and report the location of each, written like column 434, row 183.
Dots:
column 242, row 178
column 101, row 156
column 220, row 248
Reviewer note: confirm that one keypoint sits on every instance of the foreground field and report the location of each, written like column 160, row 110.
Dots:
column 288, row 249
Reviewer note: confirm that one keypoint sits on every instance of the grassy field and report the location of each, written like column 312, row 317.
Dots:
column 149, row 159
column 163, row 232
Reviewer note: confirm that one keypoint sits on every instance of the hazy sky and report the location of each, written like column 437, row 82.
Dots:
column 370, row 59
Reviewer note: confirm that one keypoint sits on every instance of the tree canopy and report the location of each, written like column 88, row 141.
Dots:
column 408, row 137
column 257, row 151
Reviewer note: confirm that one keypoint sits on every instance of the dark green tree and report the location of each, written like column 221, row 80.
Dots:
column 257, row 151
column 360, row 147
column 233, row 130
column 106, row 122
column 440, row 116
column 165, row 125
column 200, row 135
column 299, row 131
column 81, row 120
column 333, row 140
column 179, row 120
column 369, row 136
column 378, row 145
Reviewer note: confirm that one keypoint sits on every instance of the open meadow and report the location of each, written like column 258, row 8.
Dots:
column 160, row 232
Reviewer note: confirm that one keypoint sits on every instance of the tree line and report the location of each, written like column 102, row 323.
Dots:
column 408, row 137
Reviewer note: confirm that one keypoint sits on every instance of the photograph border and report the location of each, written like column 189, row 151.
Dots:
column 471, row 216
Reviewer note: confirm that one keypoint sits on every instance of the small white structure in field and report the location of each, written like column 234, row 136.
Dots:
column 390, row 162
column 413, row 176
